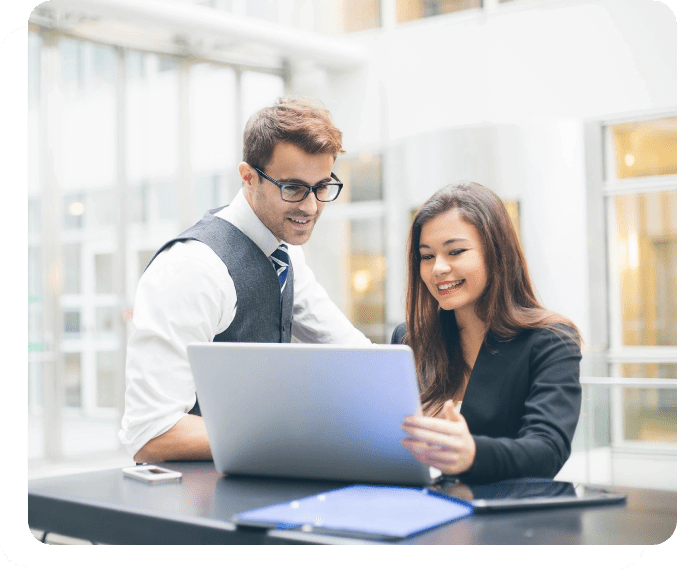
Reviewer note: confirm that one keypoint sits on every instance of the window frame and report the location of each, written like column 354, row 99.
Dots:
column 606, row 350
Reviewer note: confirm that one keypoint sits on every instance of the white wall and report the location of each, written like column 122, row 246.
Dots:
column 566, row 59
column 543, row 164
column 515, row 86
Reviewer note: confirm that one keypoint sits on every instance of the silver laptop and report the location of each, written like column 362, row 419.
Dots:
column 308, row 410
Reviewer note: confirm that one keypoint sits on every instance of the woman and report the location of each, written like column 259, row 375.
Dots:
column 484, row 344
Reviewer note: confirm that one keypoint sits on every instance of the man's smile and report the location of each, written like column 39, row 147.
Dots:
column 301, row 222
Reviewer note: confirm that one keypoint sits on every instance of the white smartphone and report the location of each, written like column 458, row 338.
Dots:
column 151, row 473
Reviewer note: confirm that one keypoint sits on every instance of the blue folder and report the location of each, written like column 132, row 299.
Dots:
column 362, row 511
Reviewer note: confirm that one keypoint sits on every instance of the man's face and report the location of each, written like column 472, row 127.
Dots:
column 292, row 223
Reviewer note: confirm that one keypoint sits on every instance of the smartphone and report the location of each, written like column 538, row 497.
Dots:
column 151, row 473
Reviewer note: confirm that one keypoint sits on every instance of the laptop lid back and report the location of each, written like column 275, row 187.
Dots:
column 309, row 410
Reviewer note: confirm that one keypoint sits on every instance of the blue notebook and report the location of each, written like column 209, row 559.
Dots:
column 377, row 512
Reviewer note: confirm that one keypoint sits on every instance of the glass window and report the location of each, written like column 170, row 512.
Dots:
column 646, row 148
column 71, row 323
column 34, row 47
column 328, row 254
column 649, row 370
column 71, row 268
column 153, row 202
column 408, row 10
column 34, row 327
column 84, row 145
column 650, row 414
column 644, row 249
column 210, row 192
column 34, row 171
column 74, row 211
column 82, row 137
column 34, row 274
column 361, row 177
column 138, row 204
column 105, row 321
column 34, row 314
column 164, row 200
column 73, row 377
column 348, row 254
column 367, row 278
column 360, row 15
column 214, row 137
column 104, row 273
column 35, row 333
column 347, row 257
column 102, row 208
column 34, row 384
column 259, row 90
column 105, row 379
column 152, row 117
column 212, row 120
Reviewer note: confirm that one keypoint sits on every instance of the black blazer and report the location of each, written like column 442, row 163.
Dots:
column 521, row 404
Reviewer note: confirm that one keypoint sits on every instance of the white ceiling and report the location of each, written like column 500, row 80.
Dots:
column 183, row 28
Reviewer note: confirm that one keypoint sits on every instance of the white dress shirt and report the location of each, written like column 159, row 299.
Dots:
column 187, row 295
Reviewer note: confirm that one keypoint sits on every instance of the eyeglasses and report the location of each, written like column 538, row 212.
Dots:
column 325, row 192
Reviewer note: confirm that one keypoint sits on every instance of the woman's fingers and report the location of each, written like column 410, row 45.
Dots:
column 437, row 435
column 432, row 424
column 442, row 459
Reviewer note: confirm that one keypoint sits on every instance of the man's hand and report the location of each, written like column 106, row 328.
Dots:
column 187, row 440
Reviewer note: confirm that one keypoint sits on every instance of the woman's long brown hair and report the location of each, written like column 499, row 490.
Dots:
column 508, row 304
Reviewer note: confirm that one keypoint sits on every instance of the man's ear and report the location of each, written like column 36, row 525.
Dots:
column 247, row 173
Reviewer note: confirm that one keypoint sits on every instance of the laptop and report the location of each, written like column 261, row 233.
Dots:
column 309, row 410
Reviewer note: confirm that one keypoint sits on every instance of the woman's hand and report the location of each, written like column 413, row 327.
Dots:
column 445, row 443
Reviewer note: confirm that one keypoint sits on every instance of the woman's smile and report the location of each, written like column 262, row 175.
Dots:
column 447, row 287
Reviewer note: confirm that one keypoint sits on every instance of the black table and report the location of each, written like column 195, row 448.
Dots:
column 106, row 507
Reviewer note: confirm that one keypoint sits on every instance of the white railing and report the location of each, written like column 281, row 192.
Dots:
column 647, row 383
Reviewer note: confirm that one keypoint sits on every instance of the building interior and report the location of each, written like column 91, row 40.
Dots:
column 565, row 108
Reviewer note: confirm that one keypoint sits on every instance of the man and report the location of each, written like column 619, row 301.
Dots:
column 229, row 278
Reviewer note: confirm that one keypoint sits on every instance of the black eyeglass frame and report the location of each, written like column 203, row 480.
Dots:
column 309, row 189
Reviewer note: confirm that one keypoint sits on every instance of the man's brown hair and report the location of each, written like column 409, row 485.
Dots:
column 302, row 122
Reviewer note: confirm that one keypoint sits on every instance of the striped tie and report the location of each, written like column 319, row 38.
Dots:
column 280, row 259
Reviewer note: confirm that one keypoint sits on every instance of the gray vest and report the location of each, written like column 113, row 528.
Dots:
column 259, row 315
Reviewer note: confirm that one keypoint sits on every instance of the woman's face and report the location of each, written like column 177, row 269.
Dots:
column 452, row 262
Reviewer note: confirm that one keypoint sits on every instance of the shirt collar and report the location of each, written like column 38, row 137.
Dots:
column 241, row 215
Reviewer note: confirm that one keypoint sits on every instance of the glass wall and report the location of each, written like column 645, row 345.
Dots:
column 347, row 251
column 645, row 148
column 408, row 10
column 645, row 251
column 126, row 148
column 641, row 205
column 360, row 15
